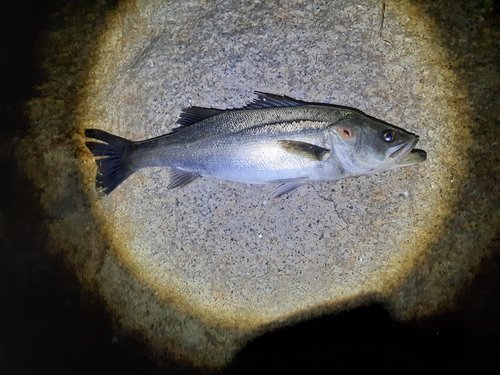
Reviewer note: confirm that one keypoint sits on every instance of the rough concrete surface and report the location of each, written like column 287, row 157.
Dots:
column 199, row 271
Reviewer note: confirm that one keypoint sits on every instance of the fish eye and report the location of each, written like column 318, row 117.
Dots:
column 389, row 135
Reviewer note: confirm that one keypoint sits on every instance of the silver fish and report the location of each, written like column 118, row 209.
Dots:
column 274, row 140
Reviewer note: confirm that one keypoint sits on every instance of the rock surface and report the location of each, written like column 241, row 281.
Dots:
column 199, row 271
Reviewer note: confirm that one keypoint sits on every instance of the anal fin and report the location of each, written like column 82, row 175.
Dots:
column 180, row 178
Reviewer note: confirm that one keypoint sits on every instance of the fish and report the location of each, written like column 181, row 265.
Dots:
column 273, row 140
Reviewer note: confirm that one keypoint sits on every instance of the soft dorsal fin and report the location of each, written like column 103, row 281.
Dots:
column 192, row 115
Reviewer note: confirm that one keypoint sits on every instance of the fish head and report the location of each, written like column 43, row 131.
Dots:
column 366, row 145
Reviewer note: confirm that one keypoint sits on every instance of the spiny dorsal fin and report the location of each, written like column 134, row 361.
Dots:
column 265, row 100
column 304, row 149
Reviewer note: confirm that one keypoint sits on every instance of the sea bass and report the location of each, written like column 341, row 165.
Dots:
column 273, row 140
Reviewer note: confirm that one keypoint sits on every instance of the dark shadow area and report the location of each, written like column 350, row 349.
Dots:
column 48, row 324
column 367, row 339
column 360, row 341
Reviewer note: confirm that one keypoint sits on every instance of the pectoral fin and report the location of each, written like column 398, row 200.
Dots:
column 304, row 149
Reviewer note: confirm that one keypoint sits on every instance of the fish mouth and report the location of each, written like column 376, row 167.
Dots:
column 407, row 155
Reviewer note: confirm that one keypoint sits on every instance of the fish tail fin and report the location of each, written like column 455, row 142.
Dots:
column 111, row 158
